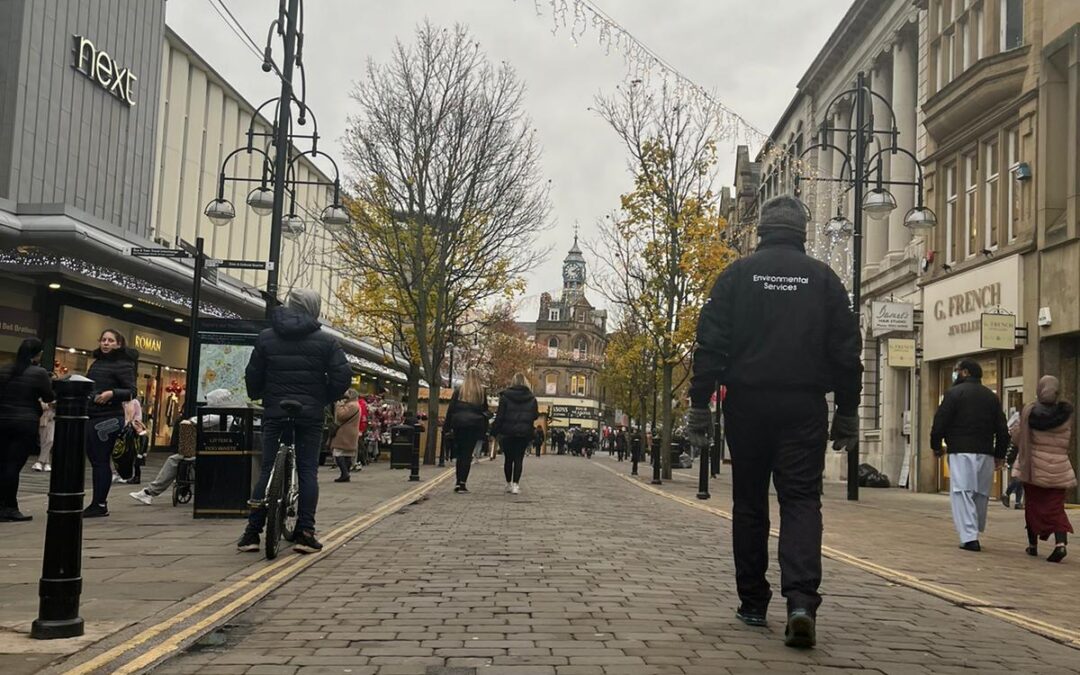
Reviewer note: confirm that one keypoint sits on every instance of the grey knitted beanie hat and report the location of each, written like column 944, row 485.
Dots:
column 784, row 212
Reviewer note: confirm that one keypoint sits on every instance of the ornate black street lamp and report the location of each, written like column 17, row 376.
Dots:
column 279, row 176
column 857, row 173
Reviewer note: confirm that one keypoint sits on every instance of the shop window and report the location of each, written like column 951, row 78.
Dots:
column 991, row 206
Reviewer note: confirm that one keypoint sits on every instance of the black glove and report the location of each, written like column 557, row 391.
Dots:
column 845, row 432
column 699, row 427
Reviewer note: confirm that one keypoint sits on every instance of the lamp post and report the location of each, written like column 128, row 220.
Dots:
column 858, row 172
column 280, row 170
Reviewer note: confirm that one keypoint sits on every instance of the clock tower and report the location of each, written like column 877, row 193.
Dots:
column 573, row 271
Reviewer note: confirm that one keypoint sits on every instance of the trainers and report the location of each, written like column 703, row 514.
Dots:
column 48, row 468
column 95, row 511
column 509, row 488
column 142, row 496
column 38, row 466
column 751, row 617
column 11, row 515
column 305, row 542
column 515, row 489
column 248, row 543
column 801, row 633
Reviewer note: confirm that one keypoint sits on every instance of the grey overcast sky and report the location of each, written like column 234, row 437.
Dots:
column 751, row 54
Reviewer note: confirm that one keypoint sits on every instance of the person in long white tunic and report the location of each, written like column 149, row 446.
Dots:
column 972, row 425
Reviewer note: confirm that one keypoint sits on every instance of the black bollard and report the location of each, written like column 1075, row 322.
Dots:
column 414, row 467
column 655, row 449
column 61, row 566
column 703, row 473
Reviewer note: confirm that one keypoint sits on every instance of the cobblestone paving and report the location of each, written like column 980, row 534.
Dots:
column 583, row 574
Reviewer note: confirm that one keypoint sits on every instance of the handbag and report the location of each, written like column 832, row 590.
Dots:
column 124, row 452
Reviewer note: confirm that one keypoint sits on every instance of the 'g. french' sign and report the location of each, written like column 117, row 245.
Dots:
column 99, row 67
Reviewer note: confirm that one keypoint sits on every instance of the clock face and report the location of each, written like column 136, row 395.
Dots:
column 572, row 272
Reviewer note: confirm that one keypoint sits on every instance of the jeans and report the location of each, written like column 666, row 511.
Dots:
column 464, row 447
column 165, row 476
column 514, row 450
column 102, row 433
column 782, row 436
column 17, row 440
column 308, row 437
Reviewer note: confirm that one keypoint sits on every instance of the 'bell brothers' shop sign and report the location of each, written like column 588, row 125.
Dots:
column 99, row 67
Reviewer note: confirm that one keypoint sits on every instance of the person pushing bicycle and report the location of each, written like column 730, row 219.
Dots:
column 294, row 360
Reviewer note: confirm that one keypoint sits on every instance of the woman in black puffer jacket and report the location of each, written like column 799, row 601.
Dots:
column 513, row 426
column 24, row 385
column 467, row 419
column 113, row 373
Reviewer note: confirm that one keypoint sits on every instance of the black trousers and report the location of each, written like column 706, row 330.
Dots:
column 513, row 450
column 782, row 436
column 464, row 444
column 17, row 440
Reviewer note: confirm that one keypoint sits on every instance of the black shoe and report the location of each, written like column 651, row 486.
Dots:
column 971, row 545
column 1019, row 506
column 1032, row 551
column 1004, row 500
column 342, row 479
column 304, row 541
column 11, row 515
column 801, row 632
column 461, row 489
column 249, row 543
column 751, row 617
column 1058, row 555
column 95, row 511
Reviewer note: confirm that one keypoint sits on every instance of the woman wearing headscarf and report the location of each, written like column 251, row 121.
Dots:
column 346, row 440
column 24, row 385
column 1043, row 436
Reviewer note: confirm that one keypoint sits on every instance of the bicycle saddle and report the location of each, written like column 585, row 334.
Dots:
column 292, row 408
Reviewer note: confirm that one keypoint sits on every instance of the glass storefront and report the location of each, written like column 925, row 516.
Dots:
column 161, row 375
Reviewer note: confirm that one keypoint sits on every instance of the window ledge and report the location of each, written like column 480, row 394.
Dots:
column 991, row 81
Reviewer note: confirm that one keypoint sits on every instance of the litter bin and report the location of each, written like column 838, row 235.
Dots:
column 224, row 466
column 401, row 445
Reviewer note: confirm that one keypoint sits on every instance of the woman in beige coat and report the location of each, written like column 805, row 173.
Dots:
column 347, row 437
column 1043, row 436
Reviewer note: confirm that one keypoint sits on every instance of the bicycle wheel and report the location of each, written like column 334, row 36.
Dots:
column 275, row 498
column 289, row 508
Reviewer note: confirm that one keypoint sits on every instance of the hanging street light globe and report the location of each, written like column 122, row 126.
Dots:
column 920, row 218
column 220, row 211
column 292, row 226
column 336, row 218
column 878, row 203
column 261, row 200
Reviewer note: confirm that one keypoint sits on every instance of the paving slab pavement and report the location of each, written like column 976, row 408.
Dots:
column 585, row 572
column 144, row 560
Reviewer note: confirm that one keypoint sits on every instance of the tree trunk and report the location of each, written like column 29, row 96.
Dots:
column 413, row 388
column 665, row 418
column 432, row 426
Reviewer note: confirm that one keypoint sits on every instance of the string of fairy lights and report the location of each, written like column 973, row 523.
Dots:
column 576, row 18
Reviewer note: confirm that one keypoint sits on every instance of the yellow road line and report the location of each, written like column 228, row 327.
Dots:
column 332, row 540
column 1055, row 632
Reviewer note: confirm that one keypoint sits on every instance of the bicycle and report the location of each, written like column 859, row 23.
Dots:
column 282, row 491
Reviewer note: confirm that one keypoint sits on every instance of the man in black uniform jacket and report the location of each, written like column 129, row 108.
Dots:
column 778, row 330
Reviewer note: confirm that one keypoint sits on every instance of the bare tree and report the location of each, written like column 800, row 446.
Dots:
column 662, row 248
column 447, row 194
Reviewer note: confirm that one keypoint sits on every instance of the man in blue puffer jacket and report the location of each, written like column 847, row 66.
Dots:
column 294, row 360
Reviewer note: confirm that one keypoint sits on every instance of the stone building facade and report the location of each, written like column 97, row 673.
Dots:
column 574, row 335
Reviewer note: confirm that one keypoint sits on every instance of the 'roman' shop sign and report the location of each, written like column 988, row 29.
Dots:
column 97, row 65
column 954, row 307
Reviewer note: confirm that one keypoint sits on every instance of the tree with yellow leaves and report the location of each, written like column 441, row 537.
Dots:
column 662, row 248
column 447, row 197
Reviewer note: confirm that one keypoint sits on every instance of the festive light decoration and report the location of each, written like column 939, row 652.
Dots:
column 145, row 290
column 578, row 16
